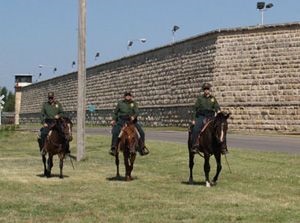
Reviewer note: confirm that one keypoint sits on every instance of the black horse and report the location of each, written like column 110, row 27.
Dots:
column 212, row 141
column 56, row 143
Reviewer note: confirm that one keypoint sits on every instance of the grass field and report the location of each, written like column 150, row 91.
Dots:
column 264, row 187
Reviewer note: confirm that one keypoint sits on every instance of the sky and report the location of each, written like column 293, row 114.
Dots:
column 44, row 32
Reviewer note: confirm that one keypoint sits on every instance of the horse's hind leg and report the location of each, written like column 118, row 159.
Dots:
column 219, row 167
column 207, row 170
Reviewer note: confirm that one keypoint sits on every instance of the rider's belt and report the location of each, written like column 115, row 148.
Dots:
column 49, row 120
column 205, row 113
column 124, row 117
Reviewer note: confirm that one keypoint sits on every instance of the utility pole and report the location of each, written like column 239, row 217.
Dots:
column 81, row 80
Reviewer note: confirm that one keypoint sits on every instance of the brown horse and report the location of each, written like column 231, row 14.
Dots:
column 56, row 143
column 128, row 143
column 212, row 141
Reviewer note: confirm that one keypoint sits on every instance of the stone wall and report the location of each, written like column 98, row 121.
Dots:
column 255, row 72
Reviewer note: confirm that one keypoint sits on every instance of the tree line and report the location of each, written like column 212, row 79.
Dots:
column 9, row 99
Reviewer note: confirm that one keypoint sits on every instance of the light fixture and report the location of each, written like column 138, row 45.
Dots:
column 175, row 28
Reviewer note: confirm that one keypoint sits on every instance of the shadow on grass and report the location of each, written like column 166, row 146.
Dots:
column 195, row 183
column 52, row 175
column 119, row 178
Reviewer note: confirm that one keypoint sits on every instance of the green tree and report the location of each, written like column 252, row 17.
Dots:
column 9, row 99
column 3, row 91
column 10, row 103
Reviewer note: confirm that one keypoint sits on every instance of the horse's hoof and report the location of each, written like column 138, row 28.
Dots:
column 213, row 183
column 128, row 178
column 61, row 177
column 191, row 182
column 208, row 184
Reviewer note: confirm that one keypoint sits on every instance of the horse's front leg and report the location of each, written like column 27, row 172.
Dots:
column 206, row 170
column 191, row 155
column 117, row 161
column 44, row 162
column 219, row 167
column 132, row 159
column 49, row 165
column 191, row 165
column 61, row 165
column 127, row 167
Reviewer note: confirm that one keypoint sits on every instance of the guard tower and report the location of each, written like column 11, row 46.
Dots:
column 21, row 80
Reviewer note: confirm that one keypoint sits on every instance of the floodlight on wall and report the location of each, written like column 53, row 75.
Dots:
column 270, row 5
column 97, row 55
column 175, row 28
column 47, row 66
column 130, row 43
column 261, row 6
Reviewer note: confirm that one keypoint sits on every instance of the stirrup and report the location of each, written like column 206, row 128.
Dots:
column 144, row 151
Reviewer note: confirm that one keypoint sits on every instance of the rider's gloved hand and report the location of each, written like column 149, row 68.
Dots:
column 113, row 122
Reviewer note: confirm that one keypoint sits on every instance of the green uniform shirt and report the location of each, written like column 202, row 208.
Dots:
column 125, row 108
column 49, row 111
column 206, row 105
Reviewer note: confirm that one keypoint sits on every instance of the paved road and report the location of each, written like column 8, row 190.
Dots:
column 289, row 144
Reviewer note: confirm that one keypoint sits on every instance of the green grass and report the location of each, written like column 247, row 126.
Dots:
column 264, row 187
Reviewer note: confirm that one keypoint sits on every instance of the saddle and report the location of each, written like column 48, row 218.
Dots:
column 206, row 122
column 122, row 130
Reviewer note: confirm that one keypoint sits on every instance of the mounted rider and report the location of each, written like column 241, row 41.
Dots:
column 206, row 107
column 51, row 110
column 126, row 110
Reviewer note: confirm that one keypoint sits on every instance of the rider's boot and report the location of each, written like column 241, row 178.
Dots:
column 143, row 150
column 113, row 151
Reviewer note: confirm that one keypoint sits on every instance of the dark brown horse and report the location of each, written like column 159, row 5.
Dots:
column 212, row 141
column 56, row 143
column 128, row 143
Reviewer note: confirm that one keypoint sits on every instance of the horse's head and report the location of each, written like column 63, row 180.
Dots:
column 130, row 137
column 64, row 126
column 221, row 127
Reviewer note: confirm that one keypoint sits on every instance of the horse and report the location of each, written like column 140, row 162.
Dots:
column 212, row 141
column 56, row 143
column 128, row 144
